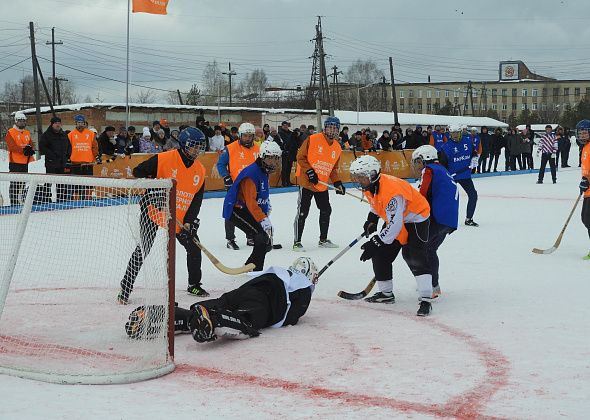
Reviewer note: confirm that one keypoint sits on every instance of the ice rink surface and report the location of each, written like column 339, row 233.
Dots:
column 508, row 338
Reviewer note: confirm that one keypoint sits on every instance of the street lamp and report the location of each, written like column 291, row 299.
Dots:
column 358, row 100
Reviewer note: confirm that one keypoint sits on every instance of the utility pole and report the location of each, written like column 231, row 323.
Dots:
column 230, row 73
column 35, row 84
column 319, row 78
column 53, row 44
column 57, row 80
column 383, row 94
column 483, row 98
column 335, row 74
column 179, row 96
column 470, row 94
column 393, row 95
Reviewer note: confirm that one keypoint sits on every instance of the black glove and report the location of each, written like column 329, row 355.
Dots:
column 188, row 233
column 68, row 166
column 584, row 185
column 99, row 159
column 370, row 225
column 340, row 189
column 370, row 248
column 28, row 150
column 312, row 176
column 227, row 182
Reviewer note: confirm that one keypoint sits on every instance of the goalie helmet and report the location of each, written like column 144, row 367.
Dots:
column 19, row 116
column 193, row 142
column 332, row 127
column 307, row 267
column 246, row 129
column 583, row 131
column 365, row 171
column 270, row 155
column 422, row 155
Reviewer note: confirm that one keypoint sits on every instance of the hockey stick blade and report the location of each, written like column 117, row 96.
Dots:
column 221, row 267
column 560, row 237
column 359, row 295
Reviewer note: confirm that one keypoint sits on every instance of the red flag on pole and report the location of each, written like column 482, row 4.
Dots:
column 155, row 7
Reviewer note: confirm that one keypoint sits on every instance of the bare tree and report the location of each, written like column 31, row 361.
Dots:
column 254, row 84
column 144, row 96
column 362, row 73
column 23, row 92
column 214, row 83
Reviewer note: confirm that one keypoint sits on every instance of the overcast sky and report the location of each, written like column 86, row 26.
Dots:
column 448, row 40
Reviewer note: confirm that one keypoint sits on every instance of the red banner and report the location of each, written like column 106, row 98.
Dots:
column 155, row 7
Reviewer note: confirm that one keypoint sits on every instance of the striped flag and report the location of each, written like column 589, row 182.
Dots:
column 154, row 7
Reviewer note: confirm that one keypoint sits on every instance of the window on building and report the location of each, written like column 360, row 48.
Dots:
column 588, row 91
column 535, row 107
column 474, row 93
column 504, row 107
column 437, row 93
column 504, row 93
column 514, row 92
column 402, row 107
column 429, row 93
column 410, row 93
column 555, row 92
column 429, row 107
column 420, row 106
column 544, row 107
column 566, row 92
column 401, row 93
column 419, row 93
column 534, row 92
column 484, row 107
column 465, row 93
column 475, row 107
column 523, row 107
column 495, row 107
column 514, row 107
column 446, row 93
column 494, row 92
column 544, row 92
column 466, row 107
column 524, row 92
column 576, row 92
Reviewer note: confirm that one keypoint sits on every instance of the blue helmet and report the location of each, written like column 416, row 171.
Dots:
column 581, row 126
column 192, row 141
column 332, row 121
column 79, row 118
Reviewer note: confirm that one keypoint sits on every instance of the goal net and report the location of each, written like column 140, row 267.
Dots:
column 65, row 248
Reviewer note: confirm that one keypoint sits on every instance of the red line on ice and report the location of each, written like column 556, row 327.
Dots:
column 468, row 405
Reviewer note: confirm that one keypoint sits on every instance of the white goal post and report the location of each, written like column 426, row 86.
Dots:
column 65, row 245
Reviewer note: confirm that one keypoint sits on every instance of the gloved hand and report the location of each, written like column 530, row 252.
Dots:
column 584, row 185
column 266, row 226
column 339, row 188
column 474, row 162
column 312, row 176
column 28, row 150
column 370, row 248
column 227, row 182
column 68, row 166
column 99, row 159
column 370, row 227
column 189, row 232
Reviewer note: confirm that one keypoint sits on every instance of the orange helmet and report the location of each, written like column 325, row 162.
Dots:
column 164, row 122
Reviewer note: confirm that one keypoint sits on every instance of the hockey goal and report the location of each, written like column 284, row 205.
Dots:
column 65, row 245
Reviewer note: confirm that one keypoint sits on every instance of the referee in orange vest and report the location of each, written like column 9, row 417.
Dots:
column 20, row 153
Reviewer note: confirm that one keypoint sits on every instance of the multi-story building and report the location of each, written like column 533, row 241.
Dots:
column 516, row 90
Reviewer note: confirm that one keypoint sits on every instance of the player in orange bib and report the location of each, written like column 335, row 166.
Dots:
column 406, row 214
column 583, row 137
column 20, row 153
column 84, row 147
column 317, row 160
column 183, row 166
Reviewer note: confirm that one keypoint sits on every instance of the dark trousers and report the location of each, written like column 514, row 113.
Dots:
column 148, row 231
column 469, row 188
column 507, row 160
column 482, row 163
column 17, row 188
column 494, row 159
column 513, row 160
column 244, row 221
column 438, row 233
column 565, row 153
column 527, row 161
column 414, row 253
column 322, row 201
column 586, row 213
column 546, row 157
column 286, row 166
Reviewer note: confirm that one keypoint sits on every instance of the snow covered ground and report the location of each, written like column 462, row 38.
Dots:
column 507, row 339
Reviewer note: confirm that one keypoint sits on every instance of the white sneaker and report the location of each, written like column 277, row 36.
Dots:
column 327, row 244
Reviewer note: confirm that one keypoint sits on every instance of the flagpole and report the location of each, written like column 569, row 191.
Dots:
column 127, row 69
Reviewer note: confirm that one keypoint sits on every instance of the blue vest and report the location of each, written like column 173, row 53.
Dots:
column 444, row 208
column 439, row 140
column 476, row 141
column 260, row 178
column 459, row 157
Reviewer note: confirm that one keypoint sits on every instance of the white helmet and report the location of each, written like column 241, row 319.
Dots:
column 307, row 267
column 270, row 155
column 473, row 129
column 426, row 153
column 19, row 116
column 455, row 128
column 246, row 128
column 366, row 166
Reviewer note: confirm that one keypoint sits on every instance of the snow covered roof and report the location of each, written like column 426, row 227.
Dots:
column 537, row 127
column 78, row 107
column 386, row 118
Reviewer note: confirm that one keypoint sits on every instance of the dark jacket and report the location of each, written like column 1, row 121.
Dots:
column 384, row 142
column 486, row 140
column 56, row 147
column 289, row 145
column 497, row 142
column 105, row 146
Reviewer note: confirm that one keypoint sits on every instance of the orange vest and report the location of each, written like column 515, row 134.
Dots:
column 390, row 186
column 586, row 165
column 82, row 146
column 322, row 157
column 240, row 157
column 20, row 140
column 188, row 183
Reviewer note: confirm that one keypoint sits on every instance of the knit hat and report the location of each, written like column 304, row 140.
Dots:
column 55, row 119
column 146, row 132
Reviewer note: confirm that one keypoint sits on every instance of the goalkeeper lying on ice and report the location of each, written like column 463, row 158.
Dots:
column 272, row 298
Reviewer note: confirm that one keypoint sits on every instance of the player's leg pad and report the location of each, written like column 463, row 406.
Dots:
column 146, row 322
column 201, row 325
